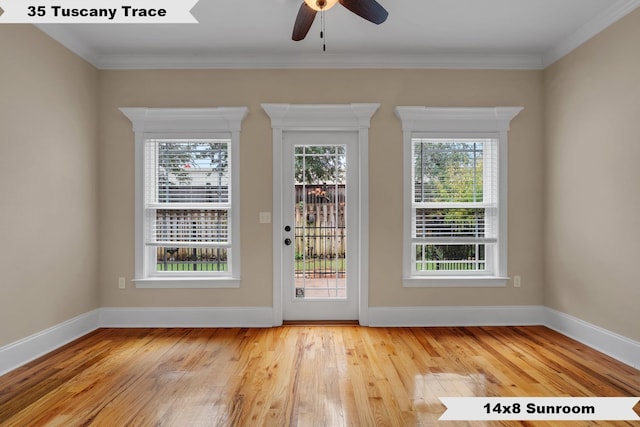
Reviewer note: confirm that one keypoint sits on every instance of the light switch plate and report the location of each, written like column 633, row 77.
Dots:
column 265, row 217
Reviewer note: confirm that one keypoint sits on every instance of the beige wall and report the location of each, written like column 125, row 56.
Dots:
column 66, row 155
column 203, row 88
column 593, row 180
column 48, row 183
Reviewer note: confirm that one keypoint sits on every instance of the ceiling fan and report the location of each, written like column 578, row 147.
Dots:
column 370, row 10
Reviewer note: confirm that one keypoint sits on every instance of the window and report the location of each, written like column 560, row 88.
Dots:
column 455, row 211
column 187, row 205
column 187, row 221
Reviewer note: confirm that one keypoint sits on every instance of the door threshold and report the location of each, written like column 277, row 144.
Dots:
column 320, row 323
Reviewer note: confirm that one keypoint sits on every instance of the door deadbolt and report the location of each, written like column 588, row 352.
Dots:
column 287, row 228
column 287, row 241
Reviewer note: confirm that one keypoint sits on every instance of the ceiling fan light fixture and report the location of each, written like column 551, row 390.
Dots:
column 321, row 5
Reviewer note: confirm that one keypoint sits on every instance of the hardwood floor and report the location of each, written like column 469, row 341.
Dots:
column 301, row 375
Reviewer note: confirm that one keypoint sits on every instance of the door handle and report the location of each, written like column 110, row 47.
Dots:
column 287, row 241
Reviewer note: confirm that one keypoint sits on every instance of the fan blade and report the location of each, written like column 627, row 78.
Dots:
column 305, row 18
column 370, row 10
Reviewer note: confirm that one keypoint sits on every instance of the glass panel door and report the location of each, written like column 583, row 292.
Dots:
column 320, row 222
column 320, row 281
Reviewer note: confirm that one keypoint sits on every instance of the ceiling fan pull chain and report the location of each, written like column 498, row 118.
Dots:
column 322, row 31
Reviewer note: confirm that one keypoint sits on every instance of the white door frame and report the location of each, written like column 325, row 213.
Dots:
column 321, row 117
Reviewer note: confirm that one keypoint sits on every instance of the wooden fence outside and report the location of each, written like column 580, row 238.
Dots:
column 320, row 231
column 320, row 222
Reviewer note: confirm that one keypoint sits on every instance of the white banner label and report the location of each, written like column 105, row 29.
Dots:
column 97, row 11
column 540, row 408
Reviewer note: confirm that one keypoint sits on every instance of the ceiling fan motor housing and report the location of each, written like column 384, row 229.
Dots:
column 321, row 5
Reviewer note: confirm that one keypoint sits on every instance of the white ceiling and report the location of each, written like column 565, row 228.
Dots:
column 418, row 33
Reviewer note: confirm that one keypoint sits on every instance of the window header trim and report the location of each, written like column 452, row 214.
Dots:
column 191, row 120
column 452, row 119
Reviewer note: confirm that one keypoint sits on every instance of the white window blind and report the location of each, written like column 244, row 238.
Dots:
column 187, row 192
column 454, row 204
column 187, row 205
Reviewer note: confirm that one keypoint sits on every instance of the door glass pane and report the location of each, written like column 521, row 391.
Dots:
column 320, row 222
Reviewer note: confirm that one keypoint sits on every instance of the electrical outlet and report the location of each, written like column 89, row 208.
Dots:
column 122, row 283
column 516, row 282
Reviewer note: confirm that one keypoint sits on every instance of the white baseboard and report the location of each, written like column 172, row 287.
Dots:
column 617, row 346
column 27, row 349
column 188, row 317
column 20, row 352
column 456, row 316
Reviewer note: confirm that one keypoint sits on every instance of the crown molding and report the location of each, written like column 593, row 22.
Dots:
column 534, row 61
column 614, row 13
column 321, row 61
column 291, row 61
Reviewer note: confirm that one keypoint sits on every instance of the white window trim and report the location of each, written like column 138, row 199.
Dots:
column 456, row 122
column 187, row 122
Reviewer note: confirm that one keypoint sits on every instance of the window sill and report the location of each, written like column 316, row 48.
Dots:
column 188, row 282
column 455, row 282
